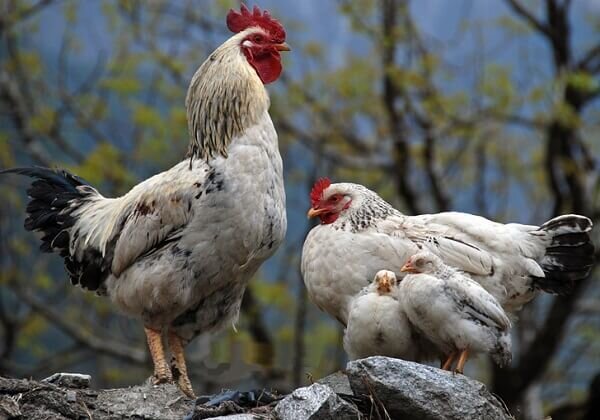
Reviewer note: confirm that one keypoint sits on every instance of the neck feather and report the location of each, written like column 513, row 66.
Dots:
column 225, row 97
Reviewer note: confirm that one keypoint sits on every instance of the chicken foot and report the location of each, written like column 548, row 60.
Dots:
column 462, row 359
column 162, row 371
column 449, row 360
column 183, row 381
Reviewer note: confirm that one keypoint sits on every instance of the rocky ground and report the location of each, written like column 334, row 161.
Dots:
column 373, row 388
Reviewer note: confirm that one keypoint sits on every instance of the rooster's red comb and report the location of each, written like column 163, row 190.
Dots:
column 316, row 194
column 239, row 21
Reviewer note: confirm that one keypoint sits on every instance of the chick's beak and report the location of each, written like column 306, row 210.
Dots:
column 408, row 268
column 282, row 47
column 312, row 212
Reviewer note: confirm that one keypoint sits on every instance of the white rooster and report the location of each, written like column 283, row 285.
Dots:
column 178, row 250
column 360, row 234
column 454, row 312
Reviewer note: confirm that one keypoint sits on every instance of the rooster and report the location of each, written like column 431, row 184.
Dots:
column 360, row 234
column 178, row 250
column 454, row 312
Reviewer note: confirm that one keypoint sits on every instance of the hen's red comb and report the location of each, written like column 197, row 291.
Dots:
column 238, row 21
column 317, row 190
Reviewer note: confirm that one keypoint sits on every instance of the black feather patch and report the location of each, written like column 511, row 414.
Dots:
column 54, row 196
column 570, row 256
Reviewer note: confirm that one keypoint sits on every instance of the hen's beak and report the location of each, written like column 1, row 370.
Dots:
column 282, row 47
column 314, row 212
column 408, row 268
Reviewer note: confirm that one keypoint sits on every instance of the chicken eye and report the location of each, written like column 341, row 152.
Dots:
column 257, row 38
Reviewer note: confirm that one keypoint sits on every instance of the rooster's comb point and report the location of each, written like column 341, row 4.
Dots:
column 239, row 21
column 317, row 191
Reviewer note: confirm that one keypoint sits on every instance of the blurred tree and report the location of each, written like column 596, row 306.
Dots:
column 500, row 118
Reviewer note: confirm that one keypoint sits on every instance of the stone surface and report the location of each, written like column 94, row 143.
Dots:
column 409, row 390
column 70, row 380
column 338, row 381
column 315, row 402
column 9, row 408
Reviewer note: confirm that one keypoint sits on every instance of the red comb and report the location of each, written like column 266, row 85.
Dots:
column 238, row 21
column 317, row 191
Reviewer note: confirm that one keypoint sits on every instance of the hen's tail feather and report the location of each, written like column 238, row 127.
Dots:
column 570, row 256
column 55, row 195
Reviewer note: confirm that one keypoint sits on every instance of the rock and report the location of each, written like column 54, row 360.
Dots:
column 235, row 417
column 9, row 408
column 149, row 402
column 409, row 390
column 69, row 380
column 314, row 402
column 337, row 381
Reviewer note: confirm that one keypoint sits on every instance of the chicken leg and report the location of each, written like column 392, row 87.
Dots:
column 162, row 372
column 183, row 381
column 448, row 363
column 462, row 359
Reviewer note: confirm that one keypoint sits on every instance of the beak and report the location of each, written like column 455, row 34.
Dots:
column 408, row 268
column 314, row 212
column 282, row 47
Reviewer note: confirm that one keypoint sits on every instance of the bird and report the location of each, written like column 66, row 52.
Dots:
column 378, row 324
column 453, row 312
column 178, row 250
column 360, row 233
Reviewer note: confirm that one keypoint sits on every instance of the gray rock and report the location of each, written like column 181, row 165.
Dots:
column 236, row 417
column 338, row 381
column 9, row 408
column 409, row 390
column 69, row 380
column 315, row 402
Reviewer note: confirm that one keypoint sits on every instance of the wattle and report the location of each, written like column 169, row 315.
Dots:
column 267, row 66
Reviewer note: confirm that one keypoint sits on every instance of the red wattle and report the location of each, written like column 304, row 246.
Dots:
column 268, row 66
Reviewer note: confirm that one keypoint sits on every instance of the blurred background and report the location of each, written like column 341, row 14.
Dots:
column 484, row 106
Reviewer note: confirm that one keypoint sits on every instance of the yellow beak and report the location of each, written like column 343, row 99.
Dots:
column 314, row 212
column 282, row 47
column 408, row 268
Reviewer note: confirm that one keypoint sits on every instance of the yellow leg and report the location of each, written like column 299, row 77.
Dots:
column 462, row 359
column 448, row 363
column 162, row 372
column 183, row 381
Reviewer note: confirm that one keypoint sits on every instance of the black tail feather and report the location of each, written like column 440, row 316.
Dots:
column 55, row 194
column 570, row 256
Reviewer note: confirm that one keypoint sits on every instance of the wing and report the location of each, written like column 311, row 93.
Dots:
column 477, row 302
column 447, row 240
column 152, row 213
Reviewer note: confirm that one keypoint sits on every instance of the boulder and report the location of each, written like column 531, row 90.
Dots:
column 410, row 390
column 315, row 402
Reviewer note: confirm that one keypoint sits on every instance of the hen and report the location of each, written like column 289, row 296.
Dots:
column 360, row 234
column 178, row 250
column 454, row 312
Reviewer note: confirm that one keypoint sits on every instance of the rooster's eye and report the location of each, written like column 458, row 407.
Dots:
column 257, row 38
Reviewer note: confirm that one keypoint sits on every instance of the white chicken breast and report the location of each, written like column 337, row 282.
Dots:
column 378, row 325
column 454, row 312
column 360, row 234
